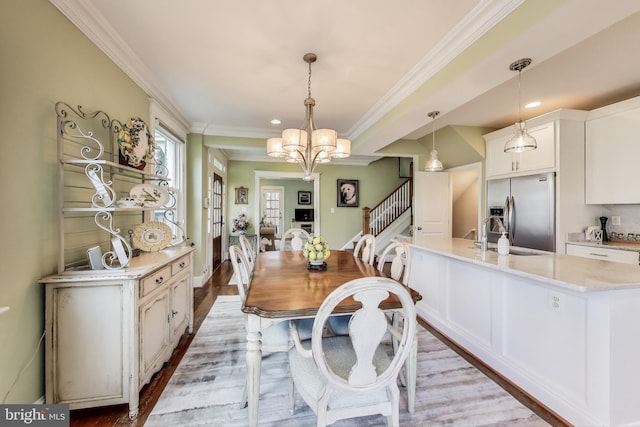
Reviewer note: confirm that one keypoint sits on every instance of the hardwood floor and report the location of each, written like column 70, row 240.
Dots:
column 204, row 298
column 118, row 415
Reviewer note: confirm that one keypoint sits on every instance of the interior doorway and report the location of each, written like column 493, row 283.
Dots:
column 271, row 175
column 466, row 188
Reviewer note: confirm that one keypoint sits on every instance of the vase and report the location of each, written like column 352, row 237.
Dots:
column 241, row 232
column 317, row 265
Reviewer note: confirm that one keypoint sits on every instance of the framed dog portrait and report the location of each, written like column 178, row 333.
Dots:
column 242, row 196
column 304, row 197
column 348, row 193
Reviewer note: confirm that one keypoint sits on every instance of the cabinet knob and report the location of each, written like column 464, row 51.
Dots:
column 173, row 313
column 182, row 264
column 159, row 280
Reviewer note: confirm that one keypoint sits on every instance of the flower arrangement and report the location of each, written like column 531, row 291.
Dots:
column 316, row 249
column 241, row 223
column 136, row 143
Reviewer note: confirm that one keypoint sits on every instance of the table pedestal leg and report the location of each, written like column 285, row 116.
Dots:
column 254, row 361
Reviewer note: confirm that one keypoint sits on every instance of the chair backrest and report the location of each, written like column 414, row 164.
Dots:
column 248, row 250
column 366, row 248
column 293, row 239
column 241, row 270
column 366, row 330
column 400, row 261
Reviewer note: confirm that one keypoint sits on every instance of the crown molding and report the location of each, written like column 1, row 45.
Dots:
column 473, row 26
column 95, row 27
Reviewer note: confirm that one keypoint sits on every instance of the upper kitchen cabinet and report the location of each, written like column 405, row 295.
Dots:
column 501, row 164
column 612, row 153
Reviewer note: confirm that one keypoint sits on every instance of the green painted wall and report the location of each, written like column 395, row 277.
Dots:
column 376, row 181
column 45, row 59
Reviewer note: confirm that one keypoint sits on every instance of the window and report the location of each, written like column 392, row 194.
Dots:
column 169, row 157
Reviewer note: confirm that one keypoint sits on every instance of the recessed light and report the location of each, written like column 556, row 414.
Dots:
column 275, row 121
column 533, row 104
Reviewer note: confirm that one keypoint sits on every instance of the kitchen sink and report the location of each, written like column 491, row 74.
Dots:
column 518, row 252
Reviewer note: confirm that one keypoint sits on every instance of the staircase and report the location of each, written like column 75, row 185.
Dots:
column 390, row 217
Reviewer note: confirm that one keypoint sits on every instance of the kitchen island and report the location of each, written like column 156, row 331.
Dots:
column 565, row 329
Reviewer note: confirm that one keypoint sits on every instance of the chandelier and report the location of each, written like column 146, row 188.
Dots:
column 521, row 140
column 309, row 146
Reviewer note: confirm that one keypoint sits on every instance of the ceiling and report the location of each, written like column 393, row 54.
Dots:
column 227, row 68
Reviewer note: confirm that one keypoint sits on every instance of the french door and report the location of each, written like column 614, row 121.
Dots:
column 272, row 203
column 217, row 220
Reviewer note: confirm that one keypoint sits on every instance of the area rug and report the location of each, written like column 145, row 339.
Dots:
column 207, row 386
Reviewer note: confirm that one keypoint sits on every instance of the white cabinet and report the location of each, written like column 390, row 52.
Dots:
column 108, row 333
column 605, row 254
column 110, row 329
column 501, row 164
column 613, row 153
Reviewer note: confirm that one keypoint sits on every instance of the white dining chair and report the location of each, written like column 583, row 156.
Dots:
column 399, row 257
column 353, row 375
column 275, row 338
column 366, row 249
column 293, row 239
column 248, row 250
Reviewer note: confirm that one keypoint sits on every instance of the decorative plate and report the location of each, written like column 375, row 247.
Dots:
column 151, row 236
column 136, row 143
column 151, row 196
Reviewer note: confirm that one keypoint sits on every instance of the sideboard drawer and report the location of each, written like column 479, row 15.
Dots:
column 155, row 280
column 181, row 264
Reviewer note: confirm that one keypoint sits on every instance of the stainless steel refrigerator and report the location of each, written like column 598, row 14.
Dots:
column 526, row 206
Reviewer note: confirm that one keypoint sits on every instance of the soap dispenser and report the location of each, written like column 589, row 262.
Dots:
column 503, row 245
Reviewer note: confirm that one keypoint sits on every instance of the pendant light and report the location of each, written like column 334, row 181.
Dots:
column 433, row 164
column 520, row 141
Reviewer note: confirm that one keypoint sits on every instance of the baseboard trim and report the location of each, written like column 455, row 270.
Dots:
column 513, row 389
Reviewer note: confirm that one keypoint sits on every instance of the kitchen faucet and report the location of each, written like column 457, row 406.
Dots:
column 483, row 240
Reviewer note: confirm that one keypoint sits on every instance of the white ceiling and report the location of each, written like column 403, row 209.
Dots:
column 227, row 68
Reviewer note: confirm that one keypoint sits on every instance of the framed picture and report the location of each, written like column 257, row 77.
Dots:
column 304, row 197
column 242, row 196
column 348, row 194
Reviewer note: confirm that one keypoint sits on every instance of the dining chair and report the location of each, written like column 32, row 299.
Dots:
column 293, row 239
column 399, row 255
column 399, row 271
column 400, row 260
column 248, row 250
column 353, row 375
column 366, row 248
column 275, row 338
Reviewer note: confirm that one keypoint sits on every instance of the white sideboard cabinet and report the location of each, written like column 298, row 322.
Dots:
column 108, row 333
column 612, row 153
column 111, row 321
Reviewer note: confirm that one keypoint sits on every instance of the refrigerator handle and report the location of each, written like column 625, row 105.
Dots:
column 505, row 215
column 512, row 220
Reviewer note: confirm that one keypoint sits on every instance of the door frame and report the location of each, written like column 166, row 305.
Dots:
column 257, row 194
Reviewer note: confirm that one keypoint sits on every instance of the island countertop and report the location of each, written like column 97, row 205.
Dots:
column 567, row 271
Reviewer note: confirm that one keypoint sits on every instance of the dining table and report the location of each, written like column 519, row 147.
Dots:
column 284, row 287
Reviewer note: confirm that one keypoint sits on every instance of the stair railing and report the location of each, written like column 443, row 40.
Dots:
column 376, row 219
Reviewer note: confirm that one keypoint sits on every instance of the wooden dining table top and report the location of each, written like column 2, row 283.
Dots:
column 283, row 287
